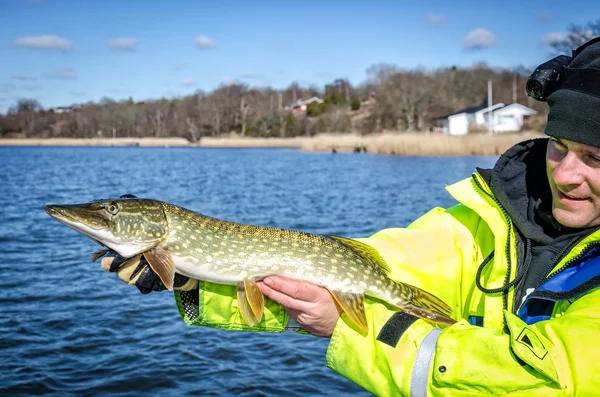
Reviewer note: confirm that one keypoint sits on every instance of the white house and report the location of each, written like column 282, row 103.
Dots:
column 301, row 104
column 504, row 118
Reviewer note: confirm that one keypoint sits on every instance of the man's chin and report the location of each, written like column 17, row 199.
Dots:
column 570, row 219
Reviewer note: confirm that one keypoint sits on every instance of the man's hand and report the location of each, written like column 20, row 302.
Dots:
column 136, row 271
column 311, row 306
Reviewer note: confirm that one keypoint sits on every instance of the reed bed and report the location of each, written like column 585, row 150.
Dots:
column 232, row 142
column 407, row 144
column 418, row 144
column 149, row 142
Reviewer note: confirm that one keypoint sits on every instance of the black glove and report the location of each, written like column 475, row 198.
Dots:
column 137, row 271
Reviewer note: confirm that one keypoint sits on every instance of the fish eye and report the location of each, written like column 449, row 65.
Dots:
column 112, row 208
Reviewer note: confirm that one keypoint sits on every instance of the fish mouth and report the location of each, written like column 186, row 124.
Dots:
column 89, row 221
column 79, row 218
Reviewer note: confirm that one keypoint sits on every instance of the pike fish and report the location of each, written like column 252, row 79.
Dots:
column 176, row 240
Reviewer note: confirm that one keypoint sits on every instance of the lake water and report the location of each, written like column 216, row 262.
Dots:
column 69, row 328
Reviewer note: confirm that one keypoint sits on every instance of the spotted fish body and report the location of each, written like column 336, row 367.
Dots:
column 176, row 240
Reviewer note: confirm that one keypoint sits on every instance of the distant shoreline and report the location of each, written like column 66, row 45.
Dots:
column 385, row 143
column 155, row 142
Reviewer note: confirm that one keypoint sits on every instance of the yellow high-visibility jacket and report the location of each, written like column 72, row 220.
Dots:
column 549, row 348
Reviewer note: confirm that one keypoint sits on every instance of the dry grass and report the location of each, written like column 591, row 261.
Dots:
column 96, row 142
column 250, row 142
column 386, row 143
column 418, row 144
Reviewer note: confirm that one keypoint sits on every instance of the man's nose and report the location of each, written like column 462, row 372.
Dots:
column 569, row 171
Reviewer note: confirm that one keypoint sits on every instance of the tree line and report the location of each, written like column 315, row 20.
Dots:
column 391, row 99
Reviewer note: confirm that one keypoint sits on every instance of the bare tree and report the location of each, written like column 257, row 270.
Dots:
column 577, row 35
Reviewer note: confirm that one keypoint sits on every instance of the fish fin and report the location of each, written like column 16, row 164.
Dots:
column 244, row 306
column 161, row 262
column 365, row 251
column 429, row 315
column 354, row 307
column 421, row 303
column 255, row 298
column 427, row 300
column 98, row 254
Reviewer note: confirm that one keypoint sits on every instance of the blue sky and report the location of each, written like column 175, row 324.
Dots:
column 65, row 52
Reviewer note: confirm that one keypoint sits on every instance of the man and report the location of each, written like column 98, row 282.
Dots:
column 518, row 260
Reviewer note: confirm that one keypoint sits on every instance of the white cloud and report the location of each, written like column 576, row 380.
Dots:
column 553, row 37
column 30, row 87
column 76, row 93
column 436, row 19
column 44, row 42
column 24, row 77
column 123, row 44
column 188, row 82
column 227, row 80
column 479, row 38
column 65, row 73
column 251, row 75
column 324, row 75
column 205, row 42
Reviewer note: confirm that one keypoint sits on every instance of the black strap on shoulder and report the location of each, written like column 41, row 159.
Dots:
column 586, row 81
column 393, row 329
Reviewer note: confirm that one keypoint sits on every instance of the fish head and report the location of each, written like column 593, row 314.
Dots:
column 128, row 226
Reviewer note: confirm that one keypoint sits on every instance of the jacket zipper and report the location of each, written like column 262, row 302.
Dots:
column 507, row 248
column 569, row 263
column 557, row 258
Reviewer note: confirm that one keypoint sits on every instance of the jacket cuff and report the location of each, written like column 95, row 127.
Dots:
column 215, row 305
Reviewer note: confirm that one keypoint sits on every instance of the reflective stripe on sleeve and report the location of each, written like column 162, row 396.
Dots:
column 420, row 372
column 292, row 326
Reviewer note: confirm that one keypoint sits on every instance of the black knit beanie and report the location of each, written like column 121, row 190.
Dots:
column 575, row 115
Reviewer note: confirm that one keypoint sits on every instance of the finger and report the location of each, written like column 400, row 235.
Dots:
column 112, row 261
column 107, row 263
column 285, row 300
column 129, row 269
column 135, row 275
column 147, row 281
column 299, row 290
column 188, row 285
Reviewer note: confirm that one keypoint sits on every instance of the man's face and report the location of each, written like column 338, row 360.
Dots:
column 573, row 171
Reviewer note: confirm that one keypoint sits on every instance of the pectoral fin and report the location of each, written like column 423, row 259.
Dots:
column 244, row 306
column 98, row 254
column 354, row 307
column 162, row 264
column 255, row 298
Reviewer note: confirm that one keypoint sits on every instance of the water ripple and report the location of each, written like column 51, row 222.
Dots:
column 69, row 328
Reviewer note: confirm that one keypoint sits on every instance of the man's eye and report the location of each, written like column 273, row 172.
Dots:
column 558, row 144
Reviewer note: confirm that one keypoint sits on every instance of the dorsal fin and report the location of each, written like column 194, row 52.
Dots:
column 365, row 251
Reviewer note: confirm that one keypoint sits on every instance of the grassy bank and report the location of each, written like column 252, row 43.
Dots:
column 95, row 142
column 418, row 144
column 387, row 143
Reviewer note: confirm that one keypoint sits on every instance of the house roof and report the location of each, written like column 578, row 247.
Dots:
column 471, row 110
column 495, row 108
column 517, row 106
column 312, row 99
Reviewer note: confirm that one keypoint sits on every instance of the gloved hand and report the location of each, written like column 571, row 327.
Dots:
column 136, row 271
